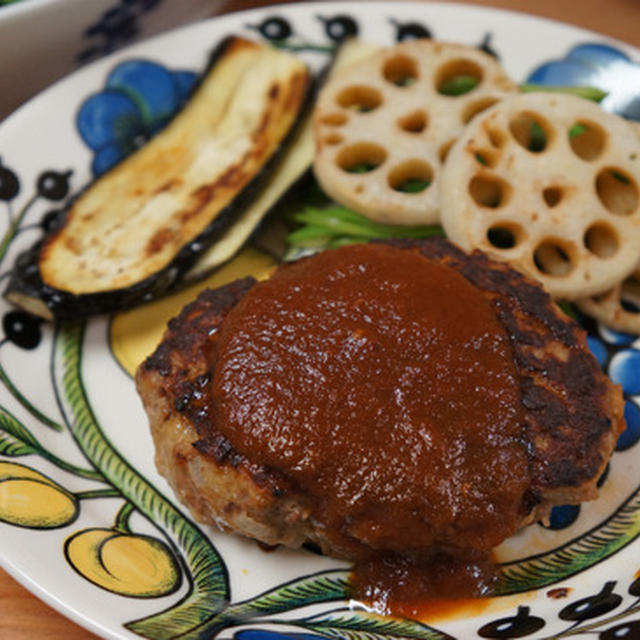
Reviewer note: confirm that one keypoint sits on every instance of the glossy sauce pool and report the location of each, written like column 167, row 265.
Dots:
column 381, row 385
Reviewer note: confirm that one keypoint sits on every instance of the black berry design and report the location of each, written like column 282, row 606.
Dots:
column 50, row 221
column 518, row 626
column 592, row 606
column 410, row 30
column 9, row 184
column 634, row 588
column 485, row 46
column 53, row 185
column 339, row 27
column 22, row 329
column 628, row 630
column 274, row 28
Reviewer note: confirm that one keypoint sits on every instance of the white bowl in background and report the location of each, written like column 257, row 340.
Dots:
column 42, row 40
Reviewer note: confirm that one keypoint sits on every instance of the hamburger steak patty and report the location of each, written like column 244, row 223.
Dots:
column 568, row 419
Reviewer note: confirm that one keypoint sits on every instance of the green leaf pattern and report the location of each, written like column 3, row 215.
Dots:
column 601, row 542
column 346, row 624
column 208, row 577
column 15, row 440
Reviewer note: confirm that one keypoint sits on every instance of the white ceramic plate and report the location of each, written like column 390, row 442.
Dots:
column 86, row 522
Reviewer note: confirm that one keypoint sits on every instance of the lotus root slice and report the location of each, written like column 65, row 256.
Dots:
column 549, row 183
column 383, row 126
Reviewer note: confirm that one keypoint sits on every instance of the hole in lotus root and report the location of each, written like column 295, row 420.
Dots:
column 531, row 131
column 617, row 191
column 458, row 77
column 415, row 122
column 486, row 157
column 360, row 98
column 444, row 149
column 477, row 107
column 553, row 257
column 333, row 138
column 488, row 191
column 497, row 138
column 334, row 119
column 587, row 140
column 361, row 157
column 504, row 235
column 601, row 240
column 601, row 297
column 411, row 176
column 630, row 294
column 400, row 70
column 552, row 196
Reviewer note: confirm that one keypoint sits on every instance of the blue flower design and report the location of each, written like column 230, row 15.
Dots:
column 631, row 434
column 563, row 516
column 601, row 66
column 262, row 634
column 598, row 350
column 616, row 337
column 138, row 99
column 625, row 370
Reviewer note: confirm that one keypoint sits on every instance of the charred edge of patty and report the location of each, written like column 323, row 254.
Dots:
column 188, row 331
column 182, row 358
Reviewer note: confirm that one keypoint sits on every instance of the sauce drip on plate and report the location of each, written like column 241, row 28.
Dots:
column 424, row 587
column 380, row 384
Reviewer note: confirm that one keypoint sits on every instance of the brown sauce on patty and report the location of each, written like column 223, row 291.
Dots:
column 381, row 384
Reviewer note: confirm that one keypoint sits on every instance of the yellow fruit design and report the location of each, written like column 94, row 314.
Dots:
column 135, row 334
column 128, row 564
column 30, row 499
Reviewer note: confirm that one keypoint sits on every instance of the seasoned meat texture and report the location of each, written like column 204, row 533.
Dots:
column 561, row 433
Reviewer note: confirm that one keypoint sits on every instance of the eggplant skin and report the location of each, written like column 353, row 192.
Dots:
column 131, row 235
column 27, row 290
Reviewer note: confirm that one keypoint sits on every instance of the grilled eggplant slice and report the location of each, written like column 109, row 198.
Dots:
column 137, row 229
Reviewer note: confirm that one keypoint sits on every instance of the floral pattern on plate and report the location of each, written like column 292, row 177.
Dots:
column 138, row 99
column 599, row 65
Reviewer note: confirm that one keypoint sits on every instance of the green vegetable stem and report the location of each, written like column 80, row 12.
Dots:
column 588, row 93
column 336, row 225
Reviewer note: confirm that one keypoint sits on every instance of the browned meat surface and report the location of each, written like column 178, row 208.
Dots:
column 568, row 419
